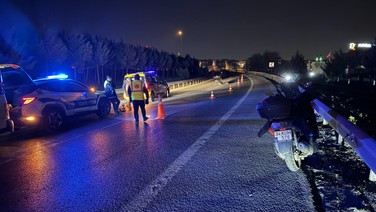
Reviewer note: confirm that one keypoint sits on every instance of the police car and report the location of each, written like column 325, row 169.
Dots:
column 154, row 85
column 56, row 98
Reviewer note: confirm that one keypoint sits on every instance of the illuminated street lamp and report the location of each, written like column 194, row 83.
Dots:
column 180, row 34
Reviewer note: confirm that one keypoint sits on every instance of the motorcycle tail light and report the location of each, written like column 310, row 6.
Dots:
column 28, row 100
column 271, row 131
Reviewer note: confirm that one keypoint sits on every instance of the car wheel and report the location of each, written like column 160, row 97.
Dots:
column 10, row 125
column 168, row 93
column 104, row 108
column 152, row 97
column 54, row 118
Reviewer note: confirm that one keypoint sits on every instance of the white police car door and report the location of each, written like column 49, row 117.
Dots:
column 77, row 97
column 85, row 100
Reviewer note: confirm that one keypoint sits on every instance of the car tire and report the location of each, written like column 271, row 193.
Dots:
column 168, row 94
column 53, row 118
column 104, row 108
column 10, row 125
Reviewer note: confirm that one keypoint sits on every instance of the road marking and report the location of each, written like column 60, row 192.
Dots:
column 60, row 139
column 151, row 191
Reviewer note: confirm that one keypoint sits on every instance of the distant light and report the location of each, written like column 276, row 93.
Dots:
column 180, row 33
column 150, row 72
column 288, row 77
column 311, row 74
column 364, row 45
column 352, row 46
column 58, row 76
column 92, row 89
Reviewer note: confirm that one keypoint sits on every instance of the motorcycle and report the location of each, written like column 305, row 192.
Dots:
column 292, row 122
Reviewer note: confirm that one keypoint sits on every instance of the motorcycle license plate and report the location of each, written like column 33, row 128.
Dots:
column 284, row 135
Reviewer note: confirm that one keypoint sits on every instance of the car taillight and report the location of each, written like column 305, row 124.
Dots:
column 146, row 85
column 28, row 100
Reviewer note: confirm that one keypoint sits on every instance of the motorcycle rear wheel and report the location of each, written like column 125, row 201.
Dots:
column 293, row 161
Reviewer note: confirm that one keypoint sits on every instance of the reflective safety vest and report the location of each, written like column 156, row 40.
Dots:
column 137, row 90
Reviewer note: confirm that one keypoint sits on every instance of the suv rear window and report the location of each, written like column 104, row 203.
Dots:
column 61, row 86
column 15, row 77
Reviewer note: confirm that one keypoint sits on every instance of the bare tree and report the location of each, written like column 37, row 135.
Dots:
column 53, row 49
column 102, row 53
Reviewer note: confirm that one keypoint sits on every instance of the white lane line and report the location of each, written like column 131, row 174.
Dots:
column 151, row 191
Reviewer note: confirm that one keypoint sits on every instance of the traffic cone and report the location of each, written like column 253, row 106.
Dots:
column 230, row 88
column 212, row 95
column 161, row 112
column 238, row 81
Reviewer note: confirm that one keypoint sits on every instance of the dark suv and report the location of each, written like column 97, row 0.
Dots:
column 16, row 83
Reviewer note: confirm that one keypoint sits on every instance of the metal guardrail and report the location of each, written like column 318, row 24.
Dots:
column 175, row 84
column 361, row 142
column 184, row 83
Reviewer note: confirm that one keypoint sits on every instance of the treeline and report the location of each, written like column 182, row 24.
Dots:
column 357, row 62
column 90, row 58
column 272, row 62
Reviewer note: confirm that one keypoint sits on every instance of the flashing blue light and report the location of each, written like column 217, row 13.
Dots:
column 58, row 76
column 150, row 72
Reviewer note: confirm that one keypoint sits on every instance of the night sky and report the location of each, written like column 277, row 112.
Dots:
column 234, row 29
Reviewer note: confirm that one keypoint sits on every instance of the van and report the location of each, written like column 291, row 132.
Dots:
column 154, row 85
column 14, row 82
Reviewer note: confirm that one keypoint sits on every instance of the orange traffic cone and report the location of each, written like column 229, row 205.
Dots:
column 161, row 112
column 212, row 95
column 230, row 88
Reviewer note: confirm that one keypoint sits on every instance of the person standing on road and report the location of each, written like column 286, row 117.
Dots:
column 136, row 91
column 109, row 89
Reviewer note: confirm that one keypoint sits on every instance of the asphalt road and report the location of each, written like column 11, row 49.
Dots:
column 205, row 156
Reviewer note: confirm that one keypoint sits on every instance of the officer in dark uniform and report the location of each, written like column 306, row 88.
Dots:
column 109, row 89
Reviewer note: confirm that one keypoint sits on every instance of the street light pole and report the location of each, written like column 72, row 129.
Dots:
column 180, row 33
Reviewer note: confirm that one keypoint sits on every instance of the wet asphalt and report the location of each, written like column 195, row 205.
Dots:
column 204, row 156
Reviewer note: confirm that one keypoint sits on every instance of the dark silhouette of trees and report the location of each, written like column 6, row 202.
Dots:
column 90, row 58
column 53, row 50
column 335, row 67
column 260, row 62
column 369, row 60
column 298, row 64
column 15, row 48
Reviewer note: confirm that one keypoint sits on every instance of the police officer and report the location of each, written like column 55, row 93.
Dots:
column 136, row 91
column 109, row 89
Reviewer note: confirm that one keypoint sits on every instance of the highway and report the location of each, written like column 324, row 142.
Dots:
column 205, row 156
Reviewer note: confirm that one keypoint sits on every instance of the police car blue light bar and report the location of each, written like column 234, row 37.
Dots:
column 150, row 72
column 58, row 76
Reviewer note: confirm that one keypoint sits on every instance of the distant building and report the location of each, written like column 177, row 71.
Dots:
column 223, row 65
